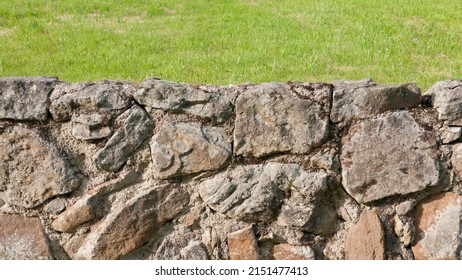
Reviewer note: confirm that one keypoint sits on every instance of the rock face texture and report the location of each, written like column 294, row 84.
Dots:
column 270, row 120
column 25, row 98
column 188, row 148
column 284, row 171
column 365, row 240
column 32, row 170
column 438, row 222
column 23, row 238
column 378, row 162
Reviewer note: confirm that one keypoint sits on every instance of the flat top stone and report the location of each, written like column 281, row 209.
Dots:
column 378, row 162
column 271, row 119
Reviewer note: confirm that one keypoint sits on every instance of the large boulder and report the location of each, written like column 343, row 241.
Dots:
column 378, row 161
column 31, row 169
column 188, row 148
column 25, row 98
column 271, row 119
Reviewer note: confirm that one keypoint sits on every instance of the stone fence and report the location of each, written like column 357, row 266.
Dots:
column 162, row 170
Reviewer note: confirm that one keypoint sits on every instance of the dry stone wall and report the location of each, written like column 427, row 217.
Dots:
column 163, row 170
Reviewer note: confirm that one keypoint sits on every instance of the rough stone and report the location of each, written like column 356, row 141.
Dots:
column 86, row 208
column 25, row 98
column 256, row 193
column 31, row 169
column 450, row 134
column 56, row 206
column 188, row 148
column 438, row 223
column 365, row 240
column 456, row 159
column 403, row 230
column 242, row 245
column 129, row 226
column 90, row 127
column 290, row 252
column 378, row 162
column 270, row 119
column 183, row 98
column 356, row 101
column 103, row 97
column 447, row 99
column 136, row 125
column 23, row 238
column 182, row 247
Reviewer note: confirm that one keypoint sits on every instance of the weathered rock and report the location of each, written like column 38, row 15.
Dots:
column 270, row 119
column 242, row 245
column 379, row 162
column 182, row 247
column 188, row 148
column 23, row 238
column 447, row 99
column 291, row 252
column 456, row 159
column 363, row 99
column 86, row 208
column 90, row 127
column 25, row 98
column 256, row 193
column 56, row 206
column 129, row 226
column 365, row 240
column 102, row 97
column 403, row 230
column 136, row 125
column 184, row 98
column 438, row 223
column 32, row 170
column 450, row 134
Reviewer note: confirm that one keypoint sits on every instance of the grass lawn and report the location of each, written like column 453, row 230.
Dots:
column 233, row 41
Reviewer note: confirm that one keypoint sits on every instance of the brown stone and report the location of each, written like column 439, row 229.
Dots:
column 22, row 238
column 242, row 245
column 290, row 252
column 85, row 209
column 438, row 227
column 132, row 224
column 365, row 240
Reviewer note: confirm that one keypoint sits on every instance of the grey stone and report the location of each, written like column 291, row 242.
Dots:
column 183, row 98
column 182, row 247
column 25, row 98
column 362, row 100
column 447, row 99
column 23, row 238
column 135, row 127
column 132, row 224
column 31, row 169
column 86, row 208
column 438, row 222
column 271, row 119
column 83, row 132
column 378, row 162
column 188, row 148
column 56, row 206
column 450, row 134
column 255, row 193
column 103, row 97
column 456, row 159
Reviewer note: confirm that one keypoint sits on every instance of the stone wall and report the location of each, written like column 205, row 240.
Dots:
column 161, row 170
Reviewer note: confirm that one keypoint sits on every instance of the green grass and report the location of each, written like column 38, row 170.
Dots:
column 233, row 41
